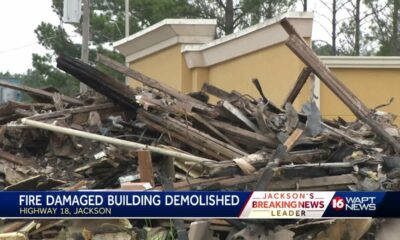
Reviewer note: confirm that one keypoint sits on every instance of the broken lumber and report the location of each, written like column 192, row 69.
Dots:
column 39, row 92
column 205, row 122
column 217, row 92
column 301, row 80
column 307, row 55
column 237, row 113
column 145, row 167
column 99, row 81
column 244, row 136
column 191, row 134
column 279, row 155
column 152, row 82
column 82, row 109
column 12, row 158
column 115, row 141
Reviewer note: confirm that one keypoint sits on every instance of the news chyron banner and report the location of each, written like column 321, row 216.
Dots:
column 154, row 204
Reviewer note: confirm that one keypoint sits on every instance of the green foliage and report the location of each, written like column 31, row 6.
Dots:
column 107, row 22
column 384, row 28
column 56, row 39
column 245, row 12
column 322, row 48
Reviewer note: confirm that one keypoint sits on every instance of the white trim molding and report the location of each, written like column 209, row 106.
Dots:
column 361, row 61
column 165, row 34
column 249, row 40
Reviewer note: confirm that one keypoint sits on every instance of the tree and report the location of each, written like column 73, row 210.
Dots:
column 228, row 13
column 53, row 38
column 321, row 48
column 106, row 22
column 356, row 39
column 385, row 27
column 334, row 7
column 304, row 2
column 239, row 14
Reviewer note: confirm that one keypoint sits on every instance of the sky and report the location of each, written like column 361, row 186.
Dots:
column 19, row 18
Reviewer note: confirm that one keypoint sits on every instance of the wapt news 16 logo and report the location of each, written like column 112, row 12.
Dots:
column 354, row 204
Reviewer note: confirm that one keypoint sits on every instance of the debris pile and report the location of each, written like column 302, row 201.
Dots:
column 156, row 137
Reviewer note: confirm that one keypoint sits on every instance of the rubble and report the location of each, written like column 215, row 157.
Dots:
column 158, row 138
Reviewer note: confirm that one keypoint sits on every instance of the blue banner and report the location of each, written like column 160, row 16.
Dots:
column 117, row 204
column 154, row 204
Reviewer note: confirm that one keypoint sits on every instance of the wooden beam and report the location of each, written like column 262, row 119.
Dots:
column 301, row 80
column 167, row 165
column 175, row 136
column 145, row 167
column 205, row 122
column 190, row 134
column 39, row 92
column 151, row 82
column 237, row 113
column 307, row 55
column 279, row 155
column 83, row 109
column 213, row 90
column 13, row 158
column 327, row 183
column 245, row 136
column 289, row 143
column 99, row 81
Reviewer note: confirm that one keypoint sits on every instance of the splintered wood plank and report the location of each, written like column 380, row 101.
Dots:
column 328, row 183
column 279, row 156
column 12, row 227
column 38, row 92
column 301, row 80
column 244, row 136
column 12, row 158
column 237, row 113
column 46, row 225
column 289, row 143
column 83, row 109
column 339, row 182
column 205, row 122
column 360, row 110
column 213, row 90
column 345, row 229
column 215, row 183
column 145, row 167
column 99, row 81
column 168, row 167
column 171, row 134
column 191, row 135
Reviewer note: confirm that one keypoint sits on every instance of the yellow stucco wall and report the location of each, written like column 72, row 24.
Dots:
column 167, row 65
column 276, row 68
column 374, row 86
column 199, row 77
